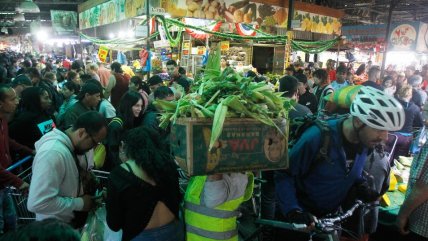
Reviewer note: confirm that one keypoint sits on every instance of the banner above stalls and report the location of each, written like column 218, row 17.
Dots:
column 365, row 36
column 229, row 11
column 232, row 11
column 408, row 36
column 116, row 10
column 64, row 22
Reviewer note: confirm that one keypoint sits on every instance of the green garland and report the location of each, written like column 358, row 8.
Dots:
column 219, row 34
column 173, row 42
column 118, row 40
column 311, row 47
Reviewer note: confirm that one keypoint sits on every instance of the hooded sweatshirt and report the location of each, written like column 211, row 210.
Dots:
column 55, row 181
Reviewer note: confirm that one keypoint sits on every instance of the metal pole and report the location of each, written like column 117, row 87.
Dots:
column 338, row 53
column 148, row 36
column 387, row 35
column 289, row 33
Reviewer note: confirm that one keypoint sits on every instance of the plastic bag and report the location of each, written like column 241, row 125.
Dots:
column 419, row 141
column 96, row 228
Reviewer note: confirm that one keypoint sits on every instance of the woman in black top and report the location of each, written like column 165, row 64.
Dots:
column 33, row 120
column 143, row 193
column 129, row 114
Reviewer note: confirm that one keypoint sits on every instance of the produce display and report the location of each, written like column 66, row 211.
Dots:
column 235, row 54
column 220, row 95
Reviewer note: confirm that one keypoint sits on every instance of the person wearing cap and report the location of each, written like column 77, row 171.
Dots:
column 419, row 96
column 315, row 185
column 20, row 83
column 87, row 100
column 154, row 82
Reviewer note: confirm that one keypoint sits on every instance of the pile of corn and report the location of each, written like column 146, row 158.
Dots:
column 226, row 95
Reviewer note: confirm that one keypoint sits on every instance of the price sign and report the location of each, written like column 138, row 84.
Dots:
column 102, row 53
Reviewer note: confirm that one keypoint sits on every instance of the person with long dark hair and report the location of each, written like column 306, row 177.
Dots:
column 128, row 117
column 34, row 120
column 143, row 194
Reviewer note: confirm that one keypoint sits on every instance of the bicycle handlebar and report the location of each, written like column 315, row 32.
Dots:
column 329, row 224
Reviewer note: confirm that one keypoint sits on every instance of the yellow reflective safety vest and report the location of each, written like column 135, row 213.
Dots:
column 212, row 224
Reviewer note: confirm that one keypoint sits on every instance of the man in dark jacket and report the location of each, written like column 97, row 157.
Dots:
column 8, row 104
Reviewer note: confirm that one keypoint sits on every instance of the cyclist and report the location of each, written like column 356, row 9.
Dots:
column 315, row 184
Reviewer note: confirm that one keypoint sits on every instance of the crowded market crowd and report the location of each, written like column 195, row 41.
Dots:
column 69, row 113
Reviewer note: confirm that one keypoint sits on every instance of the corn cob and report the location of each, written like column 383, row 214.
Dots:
column 219, row 117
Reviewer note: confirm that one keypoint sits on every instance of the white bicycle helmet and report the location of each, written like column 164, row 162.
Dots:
column 378, row 110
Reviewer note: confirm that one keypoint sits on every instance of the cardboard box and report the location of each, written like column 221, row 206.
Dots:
column 244, row 145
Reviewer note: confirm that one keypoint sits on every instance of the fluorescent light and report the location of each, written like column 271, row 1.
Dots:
column 41, row 35
column 28, row 6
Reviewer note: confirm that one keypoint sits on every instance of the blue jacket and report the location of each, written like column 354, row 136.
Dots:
column 327, row 183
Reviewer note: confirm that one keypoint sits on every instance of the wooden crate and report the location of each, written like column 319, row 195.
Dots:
column 245, row 144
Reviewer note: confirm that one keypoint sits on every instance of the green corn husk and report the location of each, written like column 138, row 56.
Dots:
column 219, row 117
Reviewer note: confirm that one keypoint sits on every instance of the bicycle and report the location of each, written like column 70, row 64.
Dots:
column 326, row 228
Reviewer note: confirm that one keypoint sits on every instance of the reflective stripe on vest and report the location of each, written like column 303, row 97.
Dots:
column 210, row 211
column 210, row 234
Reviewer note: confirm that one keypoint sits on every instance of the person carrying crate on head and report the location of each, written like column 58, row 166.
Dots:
column 8, row 104
column 211, row 204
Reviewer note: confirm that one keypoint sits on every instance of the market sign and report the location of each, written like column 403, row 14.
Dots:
column 264, row 15
column 409, row 36
column 403, row 37
column 117, row 10
column 224, row 45
column 102, row 53
column 422, row 43
column 64, row 22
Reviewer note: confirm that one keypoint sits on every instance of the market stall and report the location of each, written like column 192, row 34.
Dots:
column 244, row 24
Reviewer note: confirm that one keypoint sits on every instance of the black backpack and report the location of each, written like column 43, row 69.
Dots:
column 300, row 124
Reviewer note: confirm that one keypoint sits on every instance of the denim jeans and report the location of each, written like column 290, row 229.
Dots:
column 7, row 211
column 268, row 203
column 174, row 231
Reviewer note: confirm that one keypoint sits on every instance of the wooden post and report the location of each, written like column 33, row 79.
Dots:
column 289, row 34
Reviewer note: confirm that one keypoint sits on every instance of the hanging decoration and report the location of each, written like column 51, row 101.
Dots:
column 166, row 25
column 152, row 25
column 245, row 32
column 144, row 55
column 313, row 47
column 214, row 27
column 244, row 29
column 232, row 36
